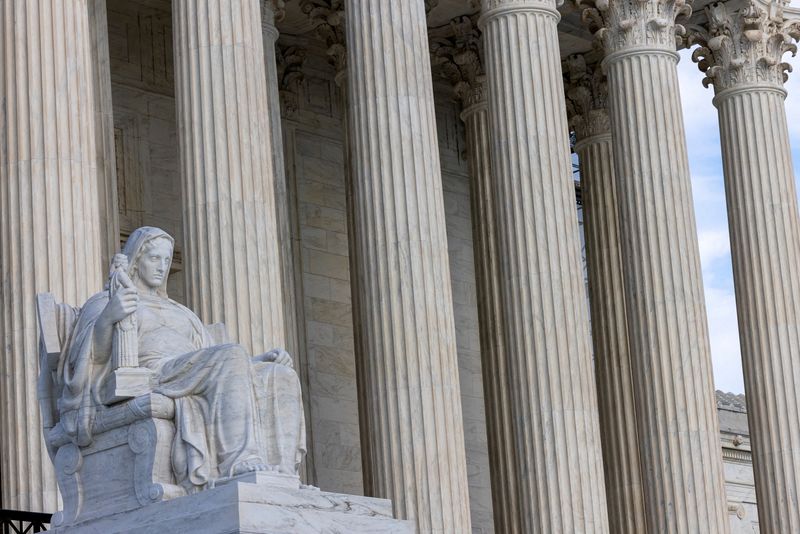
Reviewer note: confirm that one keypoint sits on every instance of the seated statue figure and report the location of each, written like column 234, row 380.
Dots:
column 233, row 413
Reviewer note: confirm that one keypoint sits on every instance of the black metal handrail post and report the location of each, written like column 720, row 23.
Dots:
column 20, row 522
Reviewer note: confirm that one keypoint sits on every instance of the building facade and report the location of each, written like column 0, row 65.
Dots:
column 386, row 189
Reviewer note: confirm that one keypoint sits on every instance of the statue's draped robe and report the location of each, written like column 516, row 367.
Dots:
column 228, row 410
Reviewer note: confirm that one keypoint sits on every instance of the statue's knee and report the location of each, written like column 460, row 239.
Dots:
column 234, row 353
column 284, row 373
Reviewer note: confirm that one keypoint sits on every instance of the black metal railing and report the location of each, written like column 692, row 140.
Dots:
column 18, row 522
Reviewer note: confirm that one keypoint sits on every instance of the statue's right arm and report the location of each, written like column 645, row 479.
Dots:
column 123, row 303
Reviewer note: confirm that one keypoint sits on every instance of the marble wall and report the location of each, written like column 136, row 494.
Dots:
column 737, row 463
column 145, row 142
column 314, row 155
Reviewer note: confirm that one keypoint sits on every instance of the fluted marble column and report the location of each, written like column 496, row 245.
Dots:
column 232, row 252
column 49, row 216
column 587, row 93
column 505, row 505
column 558, row 475
column 413, row 430
column 667, row 331
column 459, row 60
column 272, row 10
column 499, row 423
column 742, row 56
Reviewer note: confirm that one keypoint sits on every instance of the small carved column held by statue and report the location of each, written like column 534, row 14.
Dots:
column 741, row 54
column 124, row 351
column 127, row 380
column 677, row 425
column 558, row 475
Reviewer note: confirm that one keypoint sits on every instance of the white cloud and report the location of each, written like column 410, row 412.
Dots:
column 724, row 334
column 714, row 246
column 699, row 114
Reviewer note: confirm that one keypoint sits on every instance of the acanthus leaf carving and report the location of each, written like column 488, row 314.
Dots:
column 586, row 91
column 745, row 47
column 327, row 16
column 456, row 53
column 289, row 61
column 624, row 24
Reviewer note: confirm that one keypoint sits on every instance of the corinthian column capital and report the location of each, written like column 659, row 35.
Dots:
column 456, row 51
column 586, row 90
column 290, row 60
column 328, row 19
column 634, row 24
column 745, row 47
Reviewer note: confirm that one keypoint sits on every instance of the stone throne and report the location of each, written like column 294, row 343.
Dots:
column 132, row 434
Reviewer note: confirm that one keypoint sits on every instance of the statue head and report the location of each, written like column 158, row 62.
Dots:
column 149, row 251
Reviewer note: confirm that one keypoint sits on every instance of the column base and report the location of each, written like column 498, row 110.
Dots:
column 254, row 504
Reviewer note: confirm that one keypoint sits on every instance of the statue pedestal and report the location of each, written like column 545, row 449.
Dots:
column 256, row 503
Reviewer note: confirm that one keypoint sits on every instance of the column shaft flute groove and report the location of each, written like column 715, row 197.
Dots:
column 233, row 272
column 668, row 335
column 410, row 389
column 765, row 247
column 558, row 476
column 49, row 215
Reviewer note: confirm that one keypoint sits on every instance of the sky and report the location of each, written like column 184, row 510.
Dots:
column 705, row 163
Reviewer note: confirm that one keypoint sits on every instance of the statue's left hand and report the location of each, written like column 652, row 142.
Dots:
column 278, row 356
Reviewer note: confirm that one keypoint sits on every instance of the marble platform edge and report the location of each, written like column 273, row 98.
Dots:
column 246, row 508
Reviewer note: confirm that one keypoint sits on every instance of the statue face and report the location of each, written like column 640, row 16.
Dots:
column 153, row 263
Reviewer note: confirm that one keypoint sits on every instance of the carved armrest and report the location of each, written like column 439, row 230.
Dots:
column 152, row 405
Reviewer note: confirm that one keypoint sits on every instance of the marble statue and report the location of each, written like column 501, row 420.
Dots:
column 155, row 424
column 233, row 413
